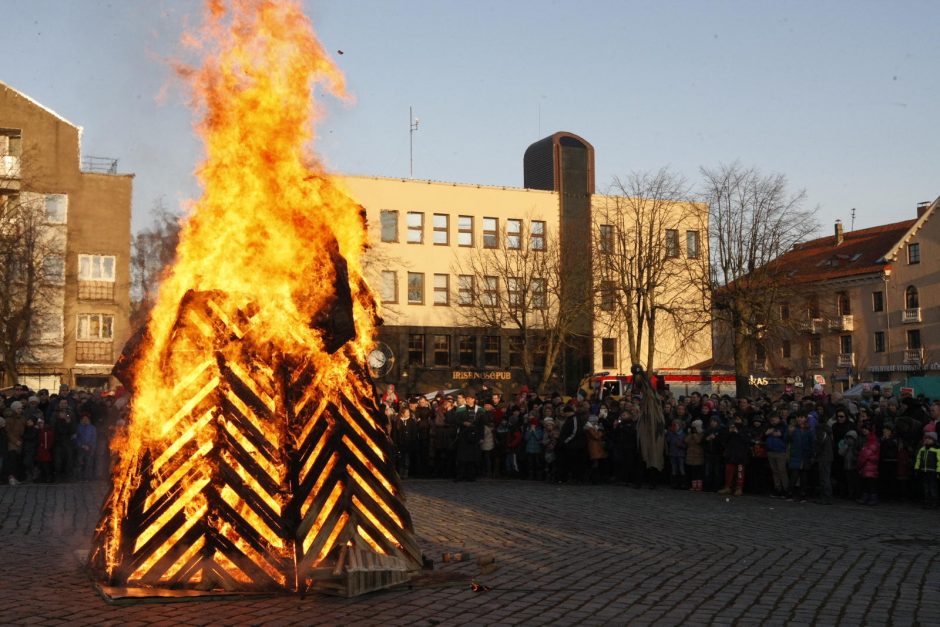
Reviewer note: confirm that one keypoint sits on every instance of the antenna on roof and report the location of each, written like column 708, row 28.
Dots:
column 853, row 220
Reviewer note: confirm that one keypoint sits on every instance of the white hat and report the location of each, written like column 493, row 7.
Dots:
column 16, row 406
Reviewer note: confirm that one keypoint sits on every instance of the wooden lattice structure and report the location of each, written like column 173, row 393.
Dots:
column 270, row 484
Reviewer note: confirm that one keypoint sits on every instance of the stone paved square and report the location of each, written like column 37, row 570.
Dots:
column 563, row 555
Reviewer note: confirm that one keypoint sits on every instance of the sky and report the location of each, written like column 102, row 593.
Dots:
column 841, row 97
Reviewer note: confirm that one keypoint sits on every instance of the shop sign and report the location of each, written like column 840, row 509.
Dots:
column 488, row 375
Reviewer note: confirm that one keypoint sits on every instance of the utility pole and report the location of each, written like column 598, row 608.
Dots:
column 412, row 127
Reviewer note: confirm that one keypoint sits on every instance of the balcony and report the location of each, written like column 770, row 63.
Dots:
column 914, row 355
column 94, row 352
column 846, row 360
column 813, row 325
column 842, row 323
column 814, row 361
column 910, row 315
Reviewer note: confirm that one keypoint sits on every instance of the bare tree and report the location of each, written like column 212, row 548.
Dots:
column 516, row 283
column 754, row 219
column 154, row 249
column 649, row 252
column 32, row 271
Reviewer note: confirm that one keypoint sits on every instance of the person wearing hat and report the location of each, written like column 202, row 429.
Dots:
column 927, row 465
column 549, row 444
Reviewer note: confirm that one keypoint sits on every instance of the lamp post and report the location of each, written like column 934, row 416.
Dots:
column 412, row 127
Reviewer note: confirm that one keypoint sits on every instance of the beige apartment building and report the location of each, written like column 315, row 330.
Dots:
column 866, row 306
column 84, row 209
column 427, row 237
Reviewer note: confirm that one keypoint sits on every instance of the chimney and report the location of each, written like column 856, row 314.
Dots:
column 922, row 208
column 839, row 237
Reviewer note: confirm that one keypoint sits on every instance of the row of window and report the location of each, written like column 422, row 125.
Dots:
column 487, row 293
column 90, row 268
column 814, row 345
column 89, row 327
column 844, row 303
column 472, row 351
column 466, row 234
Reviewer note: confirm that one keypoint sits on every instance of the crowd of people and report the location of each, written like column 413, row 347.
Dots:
column 818, row 446
column 59, row 437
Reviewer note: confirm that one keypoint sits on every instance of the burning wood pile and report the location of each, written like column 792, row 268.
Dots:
column 257, row 459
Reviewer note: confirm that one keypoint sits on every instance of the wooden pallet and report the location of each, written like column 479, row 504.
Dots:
column 359, row 571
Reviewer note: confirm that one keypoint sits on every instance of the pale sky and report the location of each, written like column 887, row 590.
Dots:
column 842, row 97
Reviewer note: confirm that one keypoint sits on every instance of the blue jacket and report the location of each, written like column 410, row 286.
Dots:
column 87, row 436
column 801, row 448
column 776, row 443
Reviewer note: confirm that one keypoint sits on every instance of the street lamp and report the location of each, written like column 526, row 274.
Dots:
column 412, row 127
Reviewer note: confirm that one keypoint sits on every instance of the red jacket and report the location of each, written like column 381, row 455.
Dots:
column 868, row 458
column 45, row 443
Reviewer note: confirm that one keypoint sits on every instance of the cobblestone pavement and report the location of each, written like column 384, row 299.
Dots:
column 563, row 555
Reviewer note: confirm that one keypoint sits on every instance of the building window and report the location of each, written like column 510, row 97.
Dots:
column 844, row 305
column 442, row 351
column 491, row 352
column 415, row 227
column 785, row 311
column 441, row 289
column 785, row 349
column 606, row 238
column 95, row 327
column 51, row 328
column 490, row 232
column 415, row 288
column 514, row 291
column 467, row 350
column 389, row 222
column 609, row 352
column 539, row 295
column 490, row 296
column 465, row 230
column 608, row 295
column 441, row 229
column 538, row 235
column 911, row 298
column 514, row 234
column 57, row 208
column 879, row 341
column 913, row 253
column 672, row 243
column 416, row 350
column 515, row 351
column 845, row 344
column 877, row 301
column 465, row 290
column 815, row 346
column 913, row 339
column 760, row 353
column 812, row 307
column 691, row 244
column 96, row 267
column 53, row 269
column 389, row 287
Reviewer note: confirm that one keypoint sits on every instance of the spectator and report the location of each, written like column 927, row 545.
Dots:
column 868, row 466
column 927, row 465
column 85, row 440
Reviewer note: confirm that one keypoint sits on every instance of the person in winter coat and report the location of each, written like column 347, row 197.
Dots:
column 888, row 463
column 842, row 425
column 86, row 439
column 736, row 445
column 713, row 445
column 775, row 443
column 695, row 456
column 44, row 451
column 534, row 434
column 469, row 419
column 549, row 442
column 868, row 467
column 443, row 438
column 595, row 447
column 512, row 444
column 405, row 438
column 927, row 465
column 848, row 451
column 30, row 443
column 822, row 448
column 675, row 451
column 15, row 424
column 800, row 456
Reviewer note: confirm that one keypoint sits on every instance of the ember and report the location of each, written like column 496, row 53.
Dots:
column 257, row 458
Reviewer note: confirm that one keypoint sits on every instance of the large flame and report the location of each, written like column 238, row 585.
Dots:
column 261, row 233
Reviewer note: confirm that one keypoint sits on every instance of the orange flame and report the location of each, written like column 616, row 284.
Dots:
column 260, row 234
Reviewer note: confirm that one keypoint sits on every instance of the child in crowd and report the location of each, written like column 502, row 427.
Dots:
column 927, row 465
